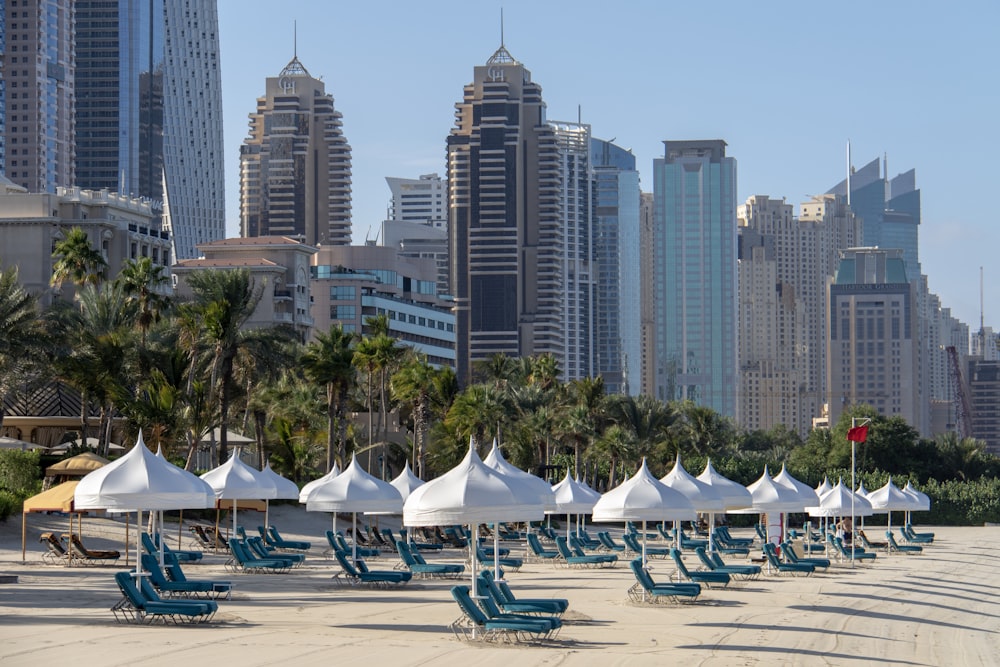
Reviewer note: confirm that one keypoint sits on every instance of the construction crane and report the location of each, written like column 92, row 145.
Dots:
column 963, row 410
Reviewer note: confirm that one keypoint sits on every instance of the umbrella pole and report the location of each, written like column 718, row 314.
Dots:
column 711, row 532
column 163, row 537
column 24, row 534
column 568, row 524
column 354, row 542
column 180, row 525
column 126, row 537
column 267, row 513
column 473, row 544
column 138, row 540
column 234, row 517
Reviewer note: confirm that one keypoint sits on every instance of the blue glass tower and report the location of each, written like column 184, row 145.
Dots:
column 694, row 219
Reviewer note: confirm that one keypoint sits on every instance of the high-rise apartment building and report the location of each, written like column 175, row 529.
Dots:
column 148, row 110
column 295, row 165
column 695, row 274
column 647, row 292
column 873, row 336
column 3, row 86
column 504, row 190
column 617, row 248
column 38, row 74
column 785, row 263
column 417, row 225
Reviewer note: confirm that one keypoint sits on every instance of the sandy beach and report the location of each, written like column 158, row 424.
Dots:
column 936, row 608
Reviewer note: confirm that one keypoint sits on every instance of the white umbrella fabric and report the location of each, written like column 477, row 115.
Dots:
column 286, row 490
column 572, row 497
column 308, row 488
column 643, row 498
column 472, row 493
column 703, row 497
column 734, row 495
column 406, row 482
column 889, row 499
column 354, row 490
column 823, row 487
column 140, row 481
column 771, row 498
column 495, row 459
column 14, row 443
column 804, row 491
column 234, row 480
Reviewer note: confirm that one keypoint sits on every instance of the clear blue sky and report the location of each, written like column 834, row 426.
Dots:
column 785, row 84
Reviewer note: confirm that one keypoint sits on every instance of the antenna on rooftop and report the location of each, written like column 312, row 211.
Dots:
column 501, row 27
column 295, row 38
column 981, row 321
column 848, row 172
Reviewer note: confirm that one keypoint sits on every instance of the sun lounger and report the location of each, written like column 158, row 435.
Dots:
column 81, row 553
column 486, row 560
column 631, row 529
column 901, row 548
column 55, row 549
column 869, row 545
column 585, row 541
column 152, row 546
column 780, row 567
column 415, row 563
column 915, row 538
column 709, row 578
column 845, row 553
column 723, row 534
column 474, row 624
column 172, row 568
column 631, row 540
column 791, row 556
column 242, row 560
column 493, row 612
column 535, row 548
column 486, row 588
column 205, row 537
column 258, row 549
column 909, row 529
column 457, row 540
column 337, row 541
column 573, row 556
column 608, row 542
column 646, row 590
column 141, row 604
column 273, row 538
column 185, row 588
column 503, row 596
column 360, row 574
column 740, row 571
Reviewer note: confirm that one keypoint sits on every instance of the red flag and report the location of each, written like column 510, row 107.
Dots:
column 858, row 433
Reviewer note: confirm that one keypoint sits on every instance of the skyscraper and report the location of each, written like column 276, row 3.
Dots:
column 695, row 274
column 617, row 247
column 295, row 165
column 504, row 197
column 873, row 336
column 417, row 225
column 149, row 110
column 38, row 73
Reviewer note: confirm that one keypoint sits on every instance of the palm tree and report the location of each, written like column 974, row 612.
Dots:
column 143, row 281
column 19, row 329
column 77, row 261
column 423, row 388
column 617, row 444
column 327, row 361
column 225, row 301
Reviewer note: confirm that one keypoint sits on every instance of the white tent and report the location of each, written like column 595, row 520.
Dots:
column 922, row 502
column 538, row 486
column 734, row 495
column 773, row 500
column 307, row 489
column 804, row 491
column 286, row 490
column 354, row 490
column 889, row 499
column 405, row 482
column 643, row 498
column 703, row 497
column 234, row 480
column 823, row 487
column 572, row 497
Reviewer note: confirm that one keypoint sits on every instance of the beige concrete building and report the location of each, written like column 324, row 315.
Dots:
column 648, row 294
column 120, row 227
column 295, row 165
column 278, row 265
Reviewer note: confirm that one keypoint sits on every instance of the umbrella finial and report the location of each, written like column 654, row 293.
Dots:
column 139, row 441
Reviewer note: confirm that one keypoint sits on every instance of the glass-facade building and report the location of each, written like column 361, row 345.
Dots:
column 149, row 110
column 695, row 274
column 618, row 319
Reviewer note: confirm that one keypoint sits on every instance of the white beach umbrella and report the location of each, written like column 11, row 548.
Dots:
column 823, row 487
column 888, row 499
column 538, row 486
column 572, row 497
column 14, row 443
column 286, row 490
column 769, row 496
column 837, row 502
column 734, row 495
column 140, row 481
column 472, row 493
column 234, row 480
column 643, row 498
column 354, row 490
column 922, row 502
column 805, row 492
column 405, row 482
column 703, row 497
column 307, row 489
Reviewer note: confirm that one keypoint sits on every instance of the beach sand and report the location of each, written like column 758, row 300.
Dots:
column 937, row 608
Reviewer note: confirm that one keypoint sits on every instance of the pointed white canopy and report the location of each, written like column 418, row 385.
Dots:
column 824, row 487
column 837, row 502
column 573, row 497
column 805, row 492
column 703, row 497
column 406, row 481
column 354, row 490
column 922, row 500
column 861, row 490
column 235, row 480
column 889, row 498
column 286, row 488
column 734, row 495
column 538, row 486
column 471, row 493
column 141, row 480
column 769, row 496
column 643, row 498
column 307, row 489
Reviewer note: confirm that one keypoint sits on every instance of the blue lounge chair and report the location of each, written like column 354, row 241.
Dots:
column 273, row 538
column 586, row 541
column 723, row 531
column 741, row 571
column 631, row 540
column 771, row 554
column 574, row 557
column 141, row 604
column 185, row 588
column 504, row 596
column 631, row 528
column 486, row 560
column 845, row 553
column 242, row 560
column 901, row 548
column 791, row 556
column 360, row 574
column 645, row 589
column 152, row 545
column 486, row 589
column 172, row 568
column 416, row 564
column 493, row 612
column 455, row 538
column 609, row 543
column 473, row 623
column 338, row 541
column 535, row 547
column 258, row 549
column 709, row 578
column 915, row 538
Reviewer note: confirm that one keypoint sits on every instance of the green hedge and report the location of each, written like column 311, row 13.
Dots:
column 20, row 478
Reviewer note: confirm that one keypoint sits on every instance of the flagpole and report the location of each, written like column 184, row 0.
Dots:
column 850, row 436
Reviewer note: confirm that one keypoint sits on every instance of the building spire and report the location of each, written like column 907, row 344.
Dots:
column 295, row 66
column 502, row 56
